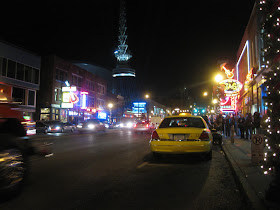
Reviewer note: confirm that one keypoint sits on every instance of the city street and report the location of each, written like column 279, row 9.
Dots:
column 116, row 169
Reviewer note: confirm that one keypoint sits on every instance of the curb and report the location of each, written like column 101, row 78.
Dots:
column 254, row 201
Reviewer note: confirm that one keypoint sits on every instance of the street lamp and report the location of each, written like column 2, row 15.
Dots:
column 147, row 96
column 205, row 94
column 110, row 106
column 218, row 78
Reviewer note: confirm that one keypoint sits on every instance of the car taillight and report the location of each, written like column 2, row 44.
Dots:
column 204, row 136
column 135, row 126
column 155, row 135
column 147, row 125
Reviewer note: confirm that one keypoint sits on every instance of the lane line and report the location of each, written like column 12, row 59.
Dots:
column 142, row 165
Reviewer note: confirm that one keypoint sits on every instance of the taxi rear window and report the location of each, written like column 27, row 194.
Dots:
column 182, row 122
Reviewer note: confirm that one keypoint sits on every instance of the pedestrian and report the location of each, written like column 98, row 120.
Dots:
column 227, row 125
column 241, row 125
column 237, row 130
column 257, row 122
column 219, row 122
column 248, row 125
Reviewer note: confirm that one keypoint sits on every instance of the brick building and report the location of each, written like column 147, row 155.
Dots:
column 86, row 96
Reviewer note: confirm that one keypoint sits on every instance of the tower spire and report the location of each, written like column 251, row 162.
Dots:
column 121, row 53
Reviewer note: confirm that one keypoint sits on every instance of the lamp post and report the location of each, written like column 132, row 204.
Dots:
column 218, row 79
column 110, row 106
column 147, row 96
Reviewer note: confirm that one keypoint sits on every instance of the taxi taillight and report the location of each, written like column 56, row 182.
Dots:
column 155, row 135
column 204, row 136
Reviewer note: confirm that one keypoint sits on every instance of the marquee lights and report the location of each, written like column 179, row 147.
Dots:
column 246, row 46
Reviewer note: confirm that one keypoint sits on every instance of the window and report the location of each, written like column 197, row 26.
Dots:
column 31, row 97
column 101, row 89
column 4, row 67
column 28, row 74
column 61, row 75
column 90, row 101
column 20, row 71
column 18, row 95
column 11, row 69
column 182, row 122
column 76, row 80
column 35, row 76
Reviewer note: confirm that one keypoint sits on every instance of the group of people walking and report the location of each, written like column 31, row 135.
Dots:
column 244, row 126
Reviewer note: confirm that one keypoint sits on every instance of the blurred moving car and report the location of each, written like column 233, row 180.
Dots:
column 68, row 126
column 91, row 125
column 143, row 126
column 42, row 127
column 15, row 148
column 55, row 126
column 183, row 133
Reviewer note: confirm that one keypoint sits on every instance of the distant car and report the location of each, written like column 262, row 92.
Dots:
column 180, row 134
column 143, row 126
column 68, row 126
column 42, row 127
column 92, row 125
column 55, row 126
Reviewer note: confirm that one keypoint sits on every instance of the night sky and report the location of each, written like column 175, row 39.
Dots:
column 173, row 43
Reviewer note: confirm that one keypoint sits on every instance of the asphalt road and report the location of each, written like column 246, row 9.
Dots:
column 115, row 170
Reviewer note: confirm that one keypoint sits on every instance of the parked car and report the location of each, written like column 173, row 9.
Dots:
column 143, row 126
column 55, row 126
column 68, row 126
column 42, row 127
column 91, row 125
column 180, row 134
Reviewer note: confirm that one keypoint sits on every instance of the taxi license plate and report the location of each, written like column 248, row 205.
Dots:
column 177, row 137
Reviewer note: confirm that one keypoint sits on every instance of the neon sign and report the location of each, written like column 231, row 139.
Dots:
column 231, row 86
column 229, row 73
column 84, row 100
column 68, row 97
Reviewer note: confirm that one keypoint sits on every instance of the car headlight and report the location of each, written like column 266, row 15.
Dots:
column 129, row 125
column 91, row 126
column 57, row 128
column 79, row 126
column 121, row 125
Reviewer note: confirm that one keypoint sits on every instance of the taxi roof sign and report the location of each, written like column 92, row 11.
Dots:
column 185, row 114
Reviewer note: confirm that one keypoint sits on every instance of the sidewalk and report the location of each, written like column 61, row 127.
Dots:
column 251, row 178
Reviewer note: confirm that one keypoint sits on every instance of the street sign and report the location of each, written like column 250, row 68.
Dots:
column 257, row 148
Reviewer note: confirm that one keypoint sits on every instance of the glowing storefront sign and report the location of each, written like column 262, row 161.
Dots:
column 84, row 100
column 68, row 97
column 231, row 86
column 102, row 115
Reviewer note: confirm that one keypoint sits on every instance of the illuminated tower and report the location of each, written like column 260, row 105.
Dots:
column 124, row 83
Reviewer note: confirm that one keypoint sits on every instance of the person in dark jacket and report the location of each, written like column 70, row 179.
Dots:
column 248, row 125
column 241, row 124
column 256, row 123
column 227, row 125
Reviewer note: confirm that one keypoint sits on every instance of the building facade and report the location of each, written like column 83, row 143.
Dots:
column 20, row 77
column 248, row 67
column 70, row 93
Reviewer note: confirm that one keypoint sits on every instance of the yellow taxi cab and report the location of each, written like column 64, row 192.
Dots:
column 183, row 133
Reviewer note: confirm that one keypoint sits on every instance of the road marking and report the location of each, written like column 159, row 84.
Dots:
column 142, row 165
